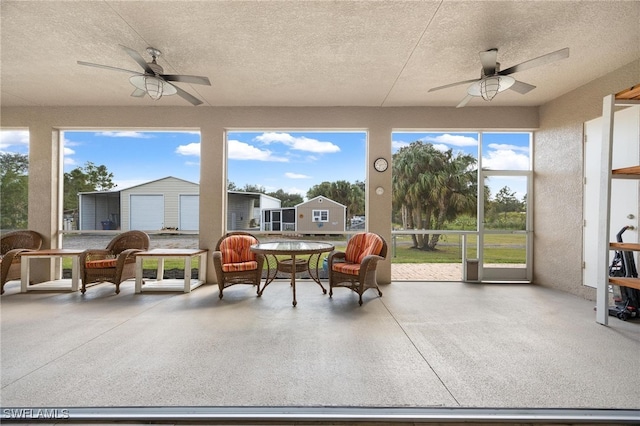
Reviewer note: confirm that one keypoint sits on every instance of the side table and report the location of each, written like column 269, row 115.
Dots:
column 55, row 284
column 160, row 284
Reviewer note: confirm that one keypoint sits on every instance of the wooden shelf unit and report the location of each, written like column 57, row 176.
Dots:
column 625, row 282
column 626, row 173
column 625, row 246
column 627, row 97
column 632, row 172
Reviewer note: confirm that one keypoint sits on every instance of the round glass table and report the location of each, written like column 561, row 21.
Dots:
column 292, row 264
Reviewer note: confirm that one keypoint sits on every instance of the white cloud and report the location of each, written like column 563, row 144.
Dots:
column 454, row 140
column 441, row 147
column 505, row 159
column 243, row 151
column 125, row 134
column 301, row 143
column 396, row 145
column 296, row 176
column 68, row 152
column 294, row 190
column 10, row 138
column 509, row 147
column 190, row 149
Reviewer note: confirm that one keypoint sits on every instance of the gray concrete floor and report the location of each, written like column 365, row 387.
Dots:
column 437, row 344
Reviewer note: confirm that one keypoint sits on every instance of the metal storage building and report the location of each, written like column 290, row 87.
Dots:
column 167, row 203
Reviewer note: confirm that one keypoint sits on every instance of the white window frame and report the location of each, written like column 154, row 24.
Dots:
column 316, row 215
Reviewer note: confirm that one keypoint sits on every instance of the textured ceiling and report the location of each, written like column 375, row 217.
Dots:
column 307, row 53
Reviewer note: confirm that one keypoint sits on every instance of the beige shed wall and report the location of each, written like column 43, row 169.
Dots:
column 304, row 218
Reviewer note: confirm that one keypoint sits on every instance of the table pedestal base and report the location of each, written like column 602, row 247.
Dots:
column 293, row 266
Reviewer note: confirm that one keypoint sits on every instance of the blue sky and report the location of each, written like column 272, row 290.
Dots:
column 292, row 161
column 295, row 161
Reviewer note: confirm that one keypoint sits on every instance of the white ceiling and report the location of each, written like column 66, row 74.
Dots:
column 307, row 53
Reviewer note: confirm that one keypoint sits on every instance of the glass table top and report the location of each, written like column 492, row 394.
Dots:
column 285, row 247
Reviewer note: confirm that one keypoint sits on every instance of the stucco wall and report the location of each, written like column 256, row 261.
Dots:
column 558, row 181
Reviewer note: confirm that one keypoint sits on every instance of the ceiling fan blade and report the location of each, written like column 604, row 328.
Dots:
column 107, row 67
column 453, row 84
column 189, row 97
column 521, row 87
column 138, row 93
column 489, row 60
column 191, row 79
column 139, row 59
column 541, row 60
column 464, row 101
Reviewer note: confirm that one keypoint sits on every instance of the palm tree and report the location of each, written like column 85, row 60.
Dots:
column 431, row 187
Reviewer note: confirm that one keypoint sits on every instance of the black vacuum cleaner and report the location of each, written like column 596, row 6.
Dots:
column 626, row 299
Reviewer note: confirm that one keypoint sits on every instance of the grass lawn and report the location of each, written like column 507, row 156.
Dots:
column 498, row 248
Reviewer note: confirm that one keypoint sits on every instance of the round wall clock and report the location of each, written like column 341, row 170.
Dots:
column 380, row 164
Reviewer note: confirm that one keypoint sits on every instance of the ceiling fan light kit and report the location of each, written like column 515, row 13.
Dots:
column 489, row 87
column 153, row 86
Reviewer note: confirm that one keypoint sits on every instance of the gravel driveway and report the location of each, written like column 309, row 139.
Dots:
column 85, row 241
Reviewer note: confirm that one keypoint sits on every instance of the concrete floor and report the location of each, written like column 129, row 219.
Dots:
column 428, row 345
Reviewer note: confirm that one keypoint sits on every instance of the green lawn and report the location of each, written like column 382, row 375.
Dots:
column 499, row 248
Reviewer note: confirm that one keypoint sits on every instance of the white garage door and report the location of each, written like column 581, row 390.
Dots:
column 189, row 213
column 147, row 212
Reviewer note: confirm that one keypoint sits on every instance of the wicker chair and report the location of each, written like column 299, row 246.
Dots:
column 355, row 268
column 235, row 263
column 114, row 264
column 11, row 245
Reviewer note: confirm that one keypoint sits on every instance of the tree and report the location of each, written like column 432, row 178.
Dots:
column 85, row 179
column 506, row 201
column 254, row 188
column 431, row 187
column 287, row 199
column 505, row 210
column 14, row 190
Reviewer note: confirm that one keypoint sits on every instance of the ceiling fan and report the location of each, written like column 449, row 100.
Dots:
column 493, row 81
column 153, row 81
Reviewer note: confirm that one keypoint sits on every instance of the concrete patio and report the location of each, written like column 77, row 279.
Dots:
column 427, row 346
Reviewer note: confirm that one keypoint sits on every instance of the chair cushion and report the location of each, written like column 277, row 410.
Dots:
column 237, row 249
column 361, row 245
column 346, row 268
column 102, row 263
column 240, row 266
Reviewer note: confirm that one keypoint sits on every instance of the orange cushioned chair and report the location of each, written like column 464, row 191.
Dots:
column 234, row 261
column 355, row 268
column 114, row 264
column 11, row 245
